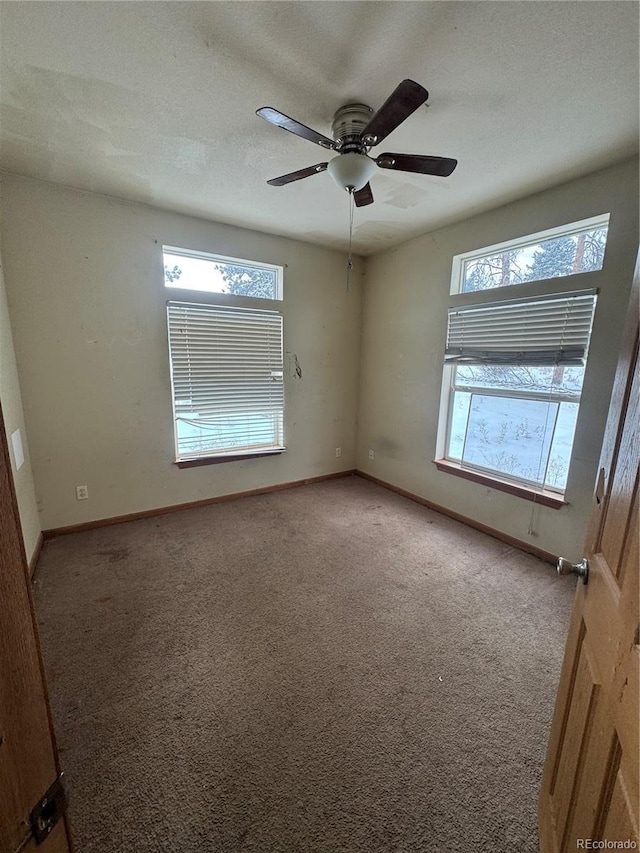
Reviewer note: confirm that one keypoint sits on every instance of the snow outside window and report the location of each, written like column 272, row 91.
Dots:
column 516, row 370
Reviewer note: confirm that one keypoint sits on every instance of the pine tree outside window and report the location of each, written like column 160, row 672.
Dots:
column 556, row 253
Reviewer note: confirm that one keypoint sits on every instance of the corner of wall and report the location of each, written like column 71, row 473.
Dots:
column 402, row 347
column 11, row 404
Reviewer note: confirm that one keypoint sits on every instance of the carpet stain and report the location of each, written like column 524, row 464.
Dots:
column 115, row 554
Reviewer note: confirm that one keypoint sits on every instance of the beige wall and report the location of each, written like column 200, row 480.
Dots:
column 85, row 288
column 404, row 328
column 11, row 403
column 85, row 284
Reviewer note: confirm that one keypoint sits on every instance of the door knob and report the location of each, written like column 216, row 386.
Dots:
column 566, row 567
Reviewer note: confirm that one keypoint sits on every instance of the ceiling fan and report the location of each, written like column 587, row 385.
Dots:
column 356, row 129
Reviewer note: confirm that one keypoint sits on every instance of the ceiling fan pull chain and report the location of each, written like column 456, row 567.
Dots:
column 349, row 261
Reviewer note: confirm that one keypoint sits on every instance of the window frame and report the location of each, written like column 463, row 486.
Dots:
column 225, row 259
column 539, row 396
column 511, row 483
column 184, row 295
column 568, row 230
column 487, row 391
column 524, row 291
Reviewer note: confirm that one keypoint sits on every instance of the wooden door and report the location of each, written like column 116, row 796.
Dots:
column 590, row 785
column 28, row 758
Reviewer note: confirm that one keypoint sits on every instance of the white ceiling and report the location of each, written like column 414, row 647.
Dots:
column 155, row 102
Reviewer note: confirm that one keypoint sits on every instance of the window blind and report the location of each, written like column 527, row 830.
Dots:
column 548, row 330
column 227, row 379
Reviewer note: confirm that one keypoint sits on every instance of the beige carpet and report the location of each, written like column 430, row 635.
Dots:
column 330, row 668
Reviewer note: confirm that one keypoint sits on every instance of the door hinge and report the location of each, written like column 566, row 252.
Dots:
column 47, row 811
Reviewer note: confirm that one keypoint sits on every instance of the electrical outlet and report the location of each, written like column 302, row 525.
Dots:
column 372, row 455
column 338, row 452
column 82, row 493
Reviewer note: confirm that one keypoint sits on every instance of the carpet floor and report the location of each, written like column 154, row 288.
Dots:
column 328, row 668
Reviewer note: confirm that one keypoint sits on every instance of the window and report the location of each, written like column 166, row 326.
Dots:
column 514, row 368
column 556, row 253
column 188, row 270
column 516, row 378
column 226, row 360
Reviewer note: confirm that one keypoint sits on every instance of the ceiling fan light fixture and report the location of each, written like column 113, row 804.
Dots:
column 351, row 171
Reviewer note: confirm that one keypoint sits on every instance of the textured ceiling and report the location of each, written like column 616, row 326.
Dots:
column 155, row 102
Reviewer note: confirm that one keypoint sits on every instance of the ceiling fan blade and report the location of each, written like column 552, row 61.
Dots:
column 364, row 196
column 440, row 166
column 293, row 126
column 297, row 176
column 404, row 100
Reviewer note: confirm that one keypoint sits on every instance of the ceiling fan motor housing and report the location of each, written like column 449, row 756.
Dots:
column 348, row 123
